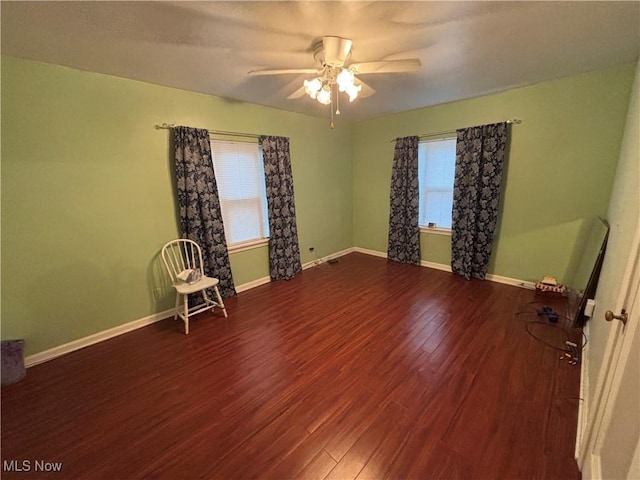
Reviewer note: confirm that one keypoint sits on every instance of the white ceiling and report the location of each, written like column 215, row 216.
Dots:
column 466, row 48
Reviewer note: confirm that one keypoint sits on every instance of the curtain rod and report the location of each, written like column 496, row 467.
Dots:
column 169, row 126
column 515, row 121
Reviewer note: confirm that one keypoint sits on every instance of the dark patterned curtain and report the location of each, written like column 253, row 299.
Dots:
column 480, row 153
column 404, row 232
column 284, row 250
column 198, row 204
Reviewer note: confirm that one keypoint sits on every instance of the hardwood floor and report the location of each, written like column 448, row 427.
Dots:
column 366, row 369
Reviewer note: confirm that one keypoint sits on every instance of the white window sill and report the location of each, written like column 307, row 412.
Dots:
column 248, row 245
column 435, row 230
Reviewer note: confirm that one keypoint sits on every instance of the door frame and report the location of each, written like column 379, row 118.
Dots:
column 617, row 354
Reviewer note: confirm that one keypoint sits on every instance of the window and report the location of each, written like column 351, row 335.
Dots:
column 436, row 169
column 239, row 171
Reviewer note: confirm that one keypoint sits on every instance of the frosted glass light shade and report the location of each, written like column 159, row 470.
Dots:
column 312, row 87
column 353, row 91
column 345, row 80
column 324, row 95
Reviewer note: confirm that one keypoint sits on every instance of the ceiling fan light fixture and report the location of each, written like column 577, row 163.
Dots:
column 345, row 80
column 324, row 95
column 312, row 87
column 337, row 74
column 353, row 91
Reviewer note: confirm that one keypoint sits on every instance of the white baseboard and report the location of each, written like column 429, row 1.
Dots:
column 322, row 260
column 366, row 251
column 60, row 350
column 65, row 348
column 447, row 268
column 436, row 266
column 74, row 345
column 261, row 281
column 511, row 281
column 253, row 284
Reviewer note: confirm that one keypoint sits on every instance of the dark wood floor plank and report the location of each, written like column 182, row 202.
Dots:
column 318, row 468
column 364, row 369
column 354, row 421
column 352, row 463
column 392, row 443
column 323, row 414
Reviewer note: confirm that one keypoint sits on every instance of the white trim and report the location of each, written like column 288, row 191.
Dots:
column 253, row 284
column 510, row 281
column 436, row 266
column 447, row 268
column 261, row 281
column 74, row 345
column 69, row 347
column 322, row 260
column 583, row 406
column 366, row 251
column 435, row 230
column 248, row 245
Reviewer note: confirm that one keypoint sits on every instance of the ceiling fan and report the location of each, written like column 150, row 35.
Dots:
column 335, row 75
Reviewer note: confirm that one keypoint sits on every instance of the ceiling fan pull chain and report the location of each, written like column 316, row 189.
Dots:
column 332, row 125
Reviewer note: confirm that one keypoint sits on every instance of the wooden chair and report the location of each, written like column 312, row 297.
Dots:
column 183, row 259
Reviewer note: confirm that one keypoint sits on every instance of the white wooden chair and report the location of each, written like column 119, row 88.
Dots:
column 183, row 259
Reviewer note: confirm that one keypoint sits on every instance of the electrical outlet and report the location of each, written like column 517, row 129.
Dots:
column 157, row 293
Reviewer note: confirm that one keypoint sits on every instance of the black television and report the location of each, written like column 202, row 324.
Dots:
column 585, row 281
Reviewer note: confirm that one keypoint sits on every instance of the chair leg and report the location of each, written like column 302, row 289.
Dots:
column 175, row 314
column 207, row 300
column 186, row 314
column 224, row 310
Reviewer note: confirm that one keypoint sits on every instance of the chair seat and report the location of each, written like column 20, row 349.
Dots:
column 204, row 282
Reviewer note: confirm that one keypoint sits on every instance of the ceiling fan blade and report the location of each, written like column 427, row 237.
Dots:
column 285, row 71
column 366, row 91
column 389, row 66
column 298, row 93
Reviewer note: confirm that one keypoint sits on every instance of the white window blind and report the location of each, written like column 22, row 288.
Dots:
column 436, row 170
column 241, row 188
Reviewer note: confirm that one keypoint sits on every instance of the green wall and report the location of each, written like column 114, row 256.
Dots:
column 88, row 201
column 559, row 171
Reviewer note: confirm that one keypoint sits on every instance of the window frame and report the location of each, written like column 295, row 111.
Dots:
column 425, row 228
column 435, row 230
column 249, row 244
